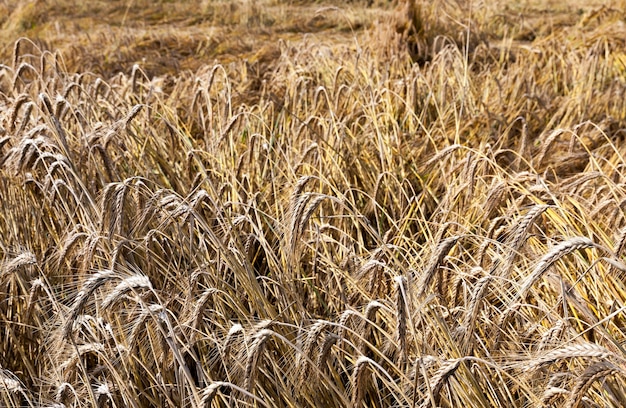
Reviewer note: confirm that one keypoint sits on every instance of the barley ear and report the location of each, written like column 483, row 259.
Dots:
column 254, row 356
column 401, row 314
column 361, row 368
column 592, row 374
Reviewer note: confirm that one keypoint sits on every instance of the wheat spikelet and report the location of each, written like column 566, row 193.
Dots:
column 108, row 164
column 94, row 282
column 99, row 83
column 550, row 337
column 231, row 125
column 132, row 115
column 23, row 67
column 62, row 395
column 325, row 348
column 118, row 209
column 151, row 310
column 45, row 99
column 443, row 153
column 369, row 316
column 560, row 250
column 9, row 382
column 358, row 380
column 29, row 148
column 313, row 147
column 547, row 141
column 254, row 355
column 17, row 104
column 297, row 190
column 16, row 51
column 621, row 243
column 440, row 253
column 296, row 216
column 601, row 208
column 122, row 249
column 494, row 196
column 28, row 110
column 201, row 304
column 441, row 376
column 345, row 317
column 108, row 196
column 373, row 269
column 209, row 393
column 235, row 331
column 573, row 182
column 70, row 363
column 585, row 350
column 36, row 288
column 26, row 258
column 473, row 307
column 401, row 314
column 88, row 251
column 131, row 283
column 552, row 393
column 520, row 233
column 591, row 374
column 309, row 346
column 60, row 106
column 308, row 211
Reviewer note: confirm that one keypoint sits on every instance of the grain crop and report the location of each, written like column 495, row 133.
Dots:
column 310, row 203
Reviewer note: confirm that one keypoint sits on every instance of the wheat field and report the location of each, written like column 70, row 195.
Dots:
column 312, row 203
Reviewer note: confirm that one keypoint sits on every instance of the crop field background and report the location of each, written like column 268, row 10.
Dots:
column 312, row 203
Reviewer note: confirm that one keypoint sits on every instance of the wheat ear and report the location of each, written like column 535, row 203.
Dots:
column 587, row 350
column 131, row 283
column 401, row 314
column 309, row 346
column 441, row 376
column 592, row 374
column 440, row 253
column 562, row 249
column 361, row 368
column 256, row 350
column 90, row 285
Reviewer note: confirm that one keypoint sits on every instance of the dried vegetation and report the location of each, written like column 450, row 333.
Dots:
column 416, row 205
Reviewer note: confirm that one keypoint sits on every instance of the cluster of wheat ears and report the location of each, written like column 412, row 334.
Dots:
column 347, row 228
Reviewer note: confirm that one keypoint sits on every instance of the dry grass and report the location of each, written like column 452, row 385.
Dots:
column 285, row 204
